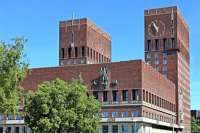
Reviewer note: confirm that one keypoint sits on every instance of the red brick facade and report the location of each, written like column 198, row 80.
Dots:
column 167, row 50
column 159, row 91
column 82, row 42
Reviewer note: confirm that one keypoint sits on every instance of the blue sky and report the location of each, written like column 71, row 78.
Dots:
column 38, row 21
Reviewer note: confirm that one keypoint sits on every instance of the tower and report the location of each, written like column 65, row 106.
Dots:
column 167, row 50
column 82, row 42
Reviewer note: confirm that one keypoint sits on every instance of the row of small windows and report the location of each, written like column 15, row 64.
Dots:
column 11, row 117
column 74, row 52
column 158, row 117
column 156, row 55
column 157, row 44
column 124, row 128
column 121, row 114
column 135, row 94
column 158, row 101
column 68, row 52
column 16, row 129
column 116, row 96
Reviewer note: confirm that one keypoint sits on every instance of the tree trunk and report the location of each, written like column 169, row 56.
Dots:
column 4, row 124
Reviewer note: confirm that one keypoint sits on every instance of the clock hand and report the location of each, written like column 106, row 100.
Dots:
column 155, row 26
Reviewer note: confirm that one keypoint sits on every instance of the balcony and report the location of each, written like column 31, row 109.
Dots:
column 121, row 103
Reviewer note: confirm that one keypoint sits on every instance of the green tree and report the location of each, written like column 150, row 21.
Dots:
column 194, row 126
column 12, row 71
column 61, row 107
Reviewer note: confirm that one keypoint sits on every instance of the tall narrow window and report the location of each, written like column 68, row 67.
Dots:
column 125, row 128
column 63, row 53
column 83, row 51
column 135, row 95
column 95, row 94
column 124, row 114
column 76, row 52
column 105, row 96
column 157, row 44
column 16, row 129
column 173, row 43
column 114, row 114
column 69, row 52
column 88, row 52
column 105, row 114
column 148, row 45
column 91, row 53
column 164, row 44
column 114, row 128
column 105, row 128
column 114, row 95
column 99, row 58
column 125, row 95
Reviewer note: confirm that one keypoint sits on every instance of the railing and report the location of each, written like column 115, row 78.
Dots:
column 137, row 103
column 120, row 103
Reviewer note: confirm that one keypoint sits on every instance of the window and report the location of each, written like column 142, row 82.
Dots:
column 105, row 96
column 148, row 45
column 164, row 69
column 88, row 52
column 173, row 43
column 69, row 52
column 148, row 55
column 9, row 129
column 105, row 115
column 135, row 95
column 91, row 53
column 11, row 117
column 125, row 114
column 147, row 98
column 114, row 114
column 100, row 58
column 125, row 95
column 150, row 98
column 135, row 128
column 157, row 61
column 164, row 44
column 164, row 54
column 76, row 52
column 114, row 128
column 135, row 114
column 63, row 53
column 115, row 95
column 164, row 61
column 157, row 44
column 124, row 128
column 95, row 94
column 1, row 117
column 16, row 129
column 105, row 128
column 18, row 117
column 24, row 130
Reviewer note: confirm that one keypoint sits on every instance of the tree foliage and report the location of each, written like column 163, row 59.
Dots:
column 12, row 72
column 61, row 107
column 194, row 126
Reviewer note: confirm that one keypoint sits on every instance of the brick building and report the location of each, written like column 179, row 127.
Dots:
column 136, row 96
column 167, row 50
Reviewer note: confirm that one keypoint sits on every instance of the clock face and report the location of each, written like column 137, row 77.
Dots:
column 156, row 28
